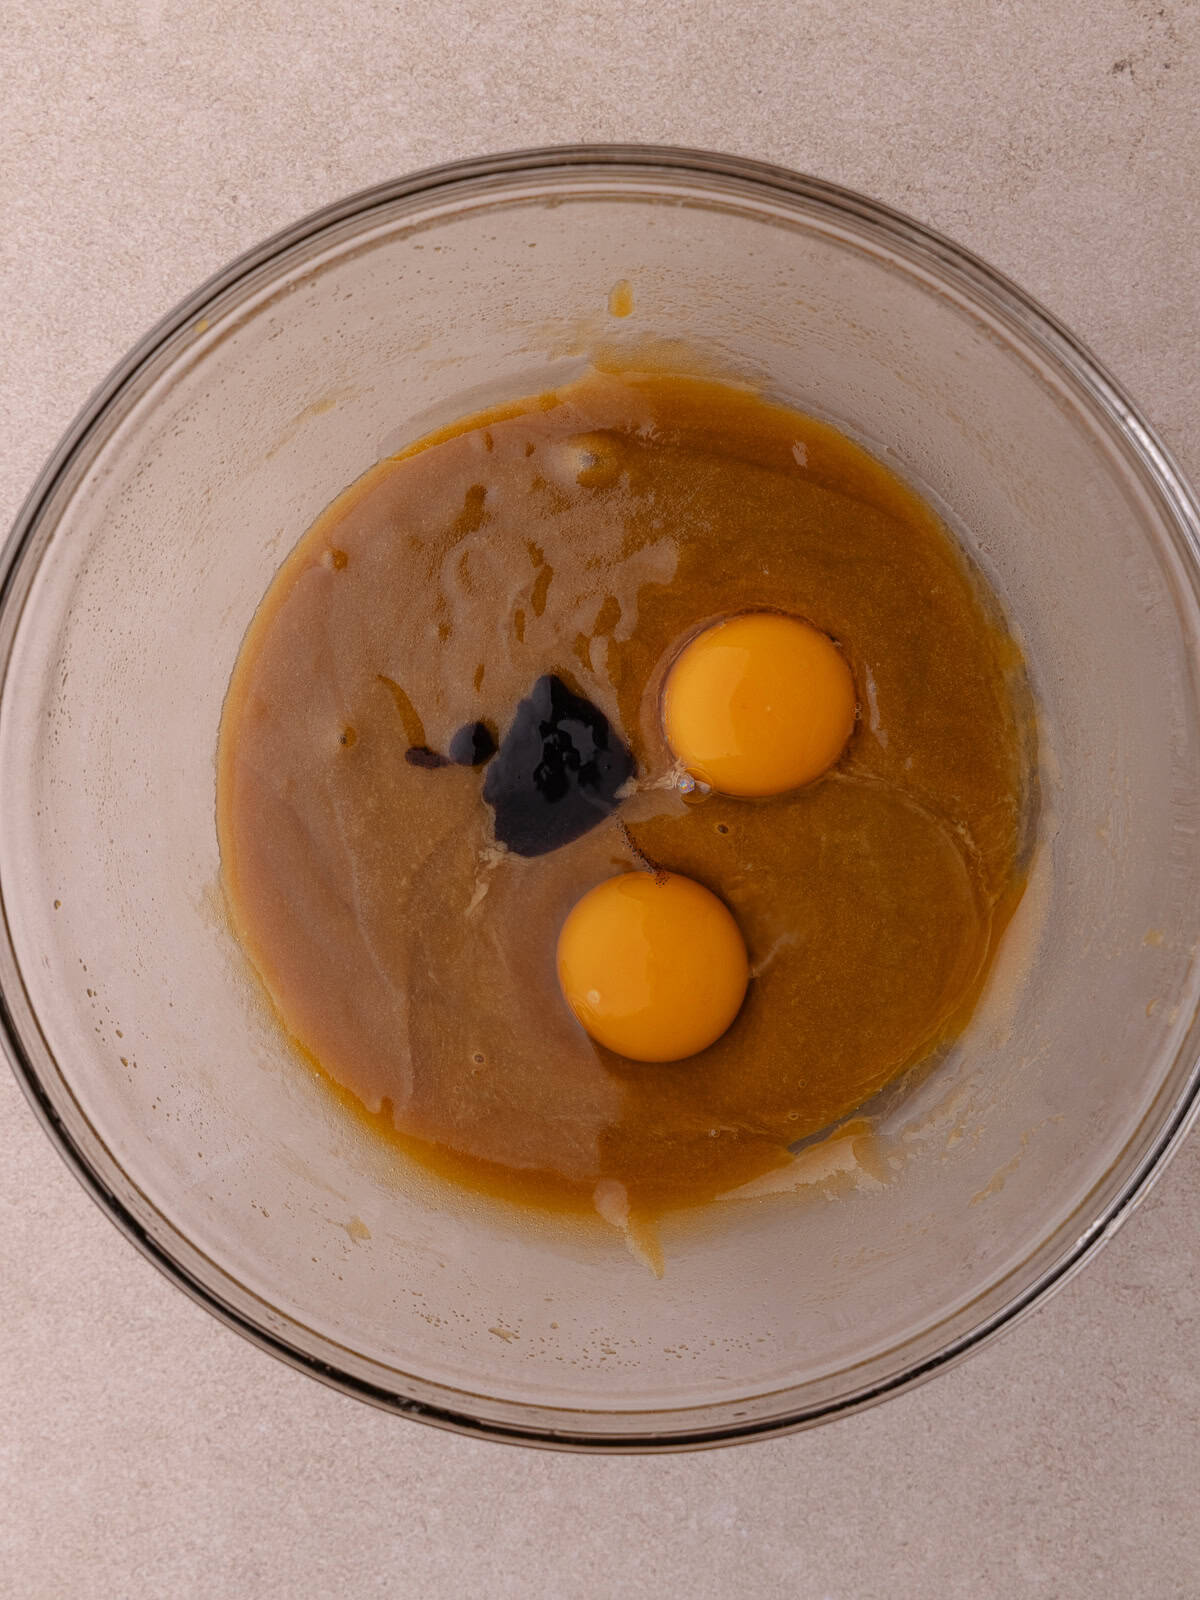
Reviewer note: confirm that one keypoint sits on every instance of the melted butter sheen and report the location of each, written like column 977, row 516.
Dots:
column 588, row 534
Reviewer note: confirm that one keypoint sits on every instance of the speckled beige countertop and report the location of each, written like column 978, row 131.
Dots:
column 147, row 1452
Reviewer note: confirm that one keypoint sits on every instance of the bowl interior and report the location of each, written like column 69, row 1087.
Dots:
column 133, row 588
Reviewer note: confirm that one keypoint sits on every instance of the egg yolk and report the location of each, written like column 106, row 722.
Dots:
column 652, row 965
column 759, row 704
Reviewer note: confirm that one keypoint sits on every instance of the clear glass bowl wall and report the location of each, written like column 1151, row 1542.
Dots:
column 132, row 578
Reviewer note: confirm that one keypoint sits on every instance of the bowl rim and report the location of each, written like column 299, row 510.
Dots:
column 981, row 284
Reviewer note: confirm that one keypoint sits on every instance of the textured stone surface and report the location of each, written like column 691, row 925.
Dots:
column 147, row 1452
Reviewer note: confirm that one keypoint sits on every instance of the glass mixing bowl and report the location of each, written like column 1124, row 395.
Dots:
column 141, row 1040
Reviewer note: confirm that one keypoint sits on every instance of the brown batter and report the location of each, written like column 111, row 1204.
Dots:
column 588, row 533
